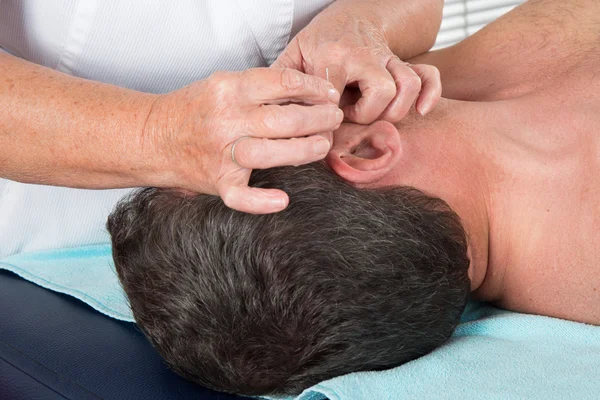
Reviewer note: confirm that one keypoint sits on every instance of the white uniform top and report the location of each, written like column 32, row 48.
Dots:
column 147, row 45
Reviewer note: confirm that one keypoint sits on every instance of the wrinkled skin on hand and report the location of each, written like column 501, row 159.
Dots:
column 348, row 40
column 190, row 132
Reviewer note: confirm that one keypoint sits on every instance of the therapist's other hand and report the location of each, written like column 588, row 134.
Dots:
column 191, row 131
column 348, row 41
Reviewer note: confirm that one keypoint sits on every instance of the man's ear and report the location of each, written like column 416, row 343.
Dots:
column 364, row 154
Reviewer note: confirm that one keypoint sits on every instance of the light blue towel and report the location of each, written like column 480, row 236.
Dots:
column 494, row 354
column 87, row 273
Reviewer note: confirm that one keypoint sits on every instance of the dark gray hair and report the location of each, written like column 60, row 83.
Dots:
column 343, row 280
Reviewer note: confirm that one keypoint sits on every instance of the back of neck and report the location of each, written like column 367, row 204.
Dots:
column 449, row 154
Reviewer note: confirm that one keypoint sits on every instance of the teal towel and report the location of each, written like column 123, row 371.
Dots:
column 494, row 354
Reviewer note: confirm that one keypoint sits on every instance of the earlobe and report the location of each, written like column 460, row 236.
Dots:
column 364, row 154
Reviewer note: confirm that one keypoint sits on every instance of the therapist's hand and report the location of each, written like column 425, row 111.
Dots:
column 348, row 39
column 190, row 132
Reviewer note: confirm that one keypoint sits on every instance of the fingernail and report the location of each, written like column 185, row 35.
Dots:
column 334, row 95
column 424, row 109
column 339, row 116
column 321, row 147
column 278, row 203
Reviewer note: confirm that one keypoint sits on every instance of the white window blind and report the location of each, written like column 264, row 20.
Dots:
column 465, row 17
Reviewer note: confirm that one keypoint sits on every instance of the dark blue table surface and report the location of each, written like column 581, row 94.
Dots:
column 53, row 346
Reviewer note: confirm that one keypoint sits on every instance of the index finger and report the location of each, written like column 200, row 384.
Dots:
column 280, row 85
column 377, row 89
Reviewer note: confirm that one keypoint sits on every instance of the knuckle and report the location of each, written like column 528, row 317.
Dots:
column 221, row 83
column 411, row 83
column 228, row 197
column 388, row 88
column 277, row 122
column 270, row 120
column 384, row 89
column 291, row 80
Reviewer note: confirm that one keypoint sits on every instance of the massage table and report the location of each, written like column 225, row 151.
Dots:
column 53, row 346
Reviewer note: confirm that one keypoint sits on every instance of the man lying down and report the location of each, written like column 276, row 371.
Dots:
column 496, row 194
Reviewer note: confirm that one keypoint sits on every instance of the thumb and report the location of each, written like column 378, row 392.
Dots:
column 291, row 57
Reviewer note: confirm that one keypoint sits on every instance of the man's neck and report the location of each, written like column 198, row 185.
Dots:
column 449, row 154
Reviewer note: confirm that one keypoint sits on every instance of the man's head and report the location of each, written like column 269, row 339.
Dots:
column 343, row 280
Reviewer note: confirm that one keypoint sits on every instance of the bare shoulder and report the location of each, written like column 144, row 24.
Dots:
column 520, row 52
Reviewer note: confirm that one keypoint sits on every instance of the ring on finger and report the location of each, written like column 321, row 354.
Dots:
column 233, row 149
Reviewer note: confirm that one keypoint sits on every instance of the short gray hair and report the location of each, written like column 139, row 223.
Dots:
column 343, row 280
